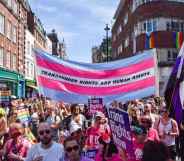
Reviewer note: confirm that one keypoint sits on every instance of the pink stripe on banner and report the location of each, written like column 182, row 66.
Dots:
column 61, row 86
column 143, row 65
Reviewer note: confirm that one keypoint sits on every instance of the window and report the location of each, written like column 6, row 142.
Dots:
column 125, row 19
column 15, row 6
column 150, row 25
column 8, row 60
column 8, row 30
column 175, row 25
column 2, row 22
column 14, row 34
column 1, row 56
column 28, row 48
column 32, row 69
column 9, row 3
column 27, row 68
column 120, row 49
column 119, row 29
column 32, row 47
column 171, row 55
column 126, row 42
column 14, row 62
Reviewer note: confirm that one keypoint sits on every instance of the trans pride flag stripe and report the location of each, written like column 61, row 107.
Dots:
column 124, row 79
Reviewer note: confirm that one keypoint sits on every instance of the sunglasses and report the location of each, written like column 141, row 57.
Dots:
column 75, row 148
column 44, row 131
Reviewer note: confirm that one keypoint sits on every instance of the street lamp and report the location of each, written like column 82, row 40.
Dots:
column 107, row 30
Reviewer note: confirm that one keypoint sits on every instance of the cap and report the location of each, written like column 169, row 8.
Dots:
column 99, row 114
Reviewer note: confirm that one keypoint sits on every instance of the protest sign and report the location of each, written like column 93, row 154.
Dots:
column 95, row 105
column 121, row 131
column 23, row 114
column 90, row 153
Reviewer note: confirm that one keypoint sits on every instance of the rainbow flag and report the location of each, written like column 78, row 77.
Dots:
column 75, row 82
column 152, row 40
column 178, row 39
column 149, row 41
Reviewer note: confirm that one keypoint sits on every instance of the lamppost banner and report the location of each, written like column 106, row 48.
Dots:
column 75, row 82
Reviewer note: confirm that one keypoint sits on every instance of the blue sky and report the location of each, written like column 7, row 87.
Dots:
column 80, row 22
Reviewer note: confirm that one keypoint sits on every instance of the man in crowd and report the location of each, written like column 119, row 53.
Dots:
column 47, row 149
column 72, row 150
column 53, row 120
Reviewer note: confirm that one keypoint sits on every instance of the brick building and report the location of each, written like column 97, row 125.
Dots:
column 36, row 28
column 13, row 21
column 145, row 24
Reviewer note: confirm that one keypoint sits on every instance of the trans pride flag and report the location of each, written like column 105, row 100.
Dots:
column 174, row 93
column 76, row 82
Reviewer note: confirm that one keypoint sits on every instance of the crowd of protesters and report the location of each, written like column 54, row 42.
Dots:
column 65, row 132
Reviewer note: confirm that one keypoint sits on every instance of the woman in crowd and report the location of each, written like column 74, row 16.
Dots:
column 168, row 131
column 17, row 147
column 146, row 122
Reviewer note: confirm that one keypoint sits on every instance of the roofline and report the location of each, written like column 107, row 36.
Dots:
column 121, row 3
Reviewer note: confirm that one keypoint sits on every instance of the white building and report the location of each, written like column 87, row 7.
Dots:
column 48, row 45
column 30, row 76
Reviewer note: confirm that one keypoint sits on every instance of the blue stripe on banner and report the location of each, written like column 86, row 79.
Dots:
column 74, row 98
column 101, row 66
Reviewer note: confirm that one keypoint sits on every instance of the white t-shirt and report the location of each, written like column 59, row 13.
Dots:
column 54, row 153
column 80, row 124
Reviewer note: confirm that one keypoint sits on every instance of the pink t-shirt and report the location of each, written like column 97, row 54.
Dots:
column 92, row 135
column 138, row 150
column 153, row 135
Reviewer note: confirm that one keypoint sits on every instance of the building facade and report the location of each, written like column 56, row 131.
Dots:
column 58, row 48
column 145, row 24
column 13, row 20
column 48, row 45
column 62, row 50
column 30, row 75
column 99, row 54
column 36, row 28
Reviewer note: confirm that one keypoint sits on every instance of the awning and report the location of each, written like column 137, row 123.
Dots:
column 34, row 87
column 31, row 84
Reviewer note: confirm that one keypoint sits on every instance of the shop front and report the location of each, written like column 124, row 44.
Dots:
column 31, row 88
column 12, row 82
